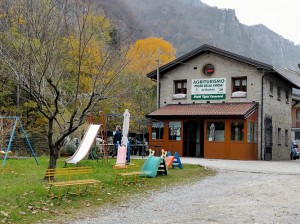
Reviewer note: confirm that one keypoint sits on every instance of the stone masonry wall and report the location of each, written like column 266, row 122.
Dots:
column 280, row 111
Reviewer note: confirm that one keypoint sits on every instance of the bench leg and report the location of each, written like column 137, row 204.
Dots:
column 59, row 193
column 97, row 188
column 68, row 190
column 86, row 187
column 78, row 189
column 49, row 191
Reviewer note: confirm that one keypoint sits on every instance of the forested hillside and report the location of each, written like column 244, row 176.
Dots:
column 187, row 24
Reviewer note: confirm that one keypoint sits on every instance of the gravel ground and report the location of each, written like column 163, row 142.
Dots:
column 228, row 197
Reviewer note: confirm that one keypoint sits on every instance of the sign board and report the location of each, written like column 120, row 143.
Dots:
column 208, row 89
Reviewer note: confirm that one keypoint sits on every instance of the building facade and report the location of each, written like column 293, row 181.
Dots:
column 217, row 104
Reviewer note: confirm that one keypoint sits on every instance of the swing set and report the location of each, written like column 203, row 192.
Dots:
column 4, row 128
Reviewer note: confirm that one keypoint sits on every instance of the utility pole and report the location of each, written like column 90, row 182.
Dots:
column 157, row 82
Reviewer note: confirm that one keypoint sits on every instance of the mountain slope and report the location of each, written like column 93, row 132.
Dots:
column 188, row 24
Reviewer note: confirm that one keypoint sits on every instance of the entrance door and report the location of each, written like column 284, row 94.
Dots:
column 201, row 138
column 268, row 138
column 192, row 142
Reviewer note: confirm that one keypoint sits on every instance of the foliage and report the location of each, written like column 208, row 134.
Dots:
column 23, row 193
column 6, row 97
column 59, row 54
column 145, row 53
column 141, row 96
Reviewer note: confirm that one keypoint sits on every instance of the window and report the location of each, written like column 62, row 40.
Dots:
column 278, row 93
column 287, row 97
column 298, row 115
column 237, row 131
column 215, row 131
column 157, row 130
column 174, row 130
column 286, row 139
column 250, row 132
column 255, row 133
column 239, row 84
column 279, row 136
column 271, row 88
column 297, row 135
column 180, row 86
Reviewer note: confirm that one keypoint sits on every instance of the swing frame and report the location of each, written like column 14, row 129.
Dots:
column 16, row 121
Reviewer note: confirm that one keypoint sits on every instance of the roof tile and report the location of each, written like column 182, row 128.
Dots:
column 205, row 109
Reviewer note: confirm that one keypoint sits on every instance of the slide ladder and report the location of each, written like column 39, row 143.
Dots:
column 162, row 169
column 177, row 161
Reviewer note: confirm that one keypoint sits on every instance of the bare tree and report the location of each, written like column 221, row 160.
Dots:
column 59, row 53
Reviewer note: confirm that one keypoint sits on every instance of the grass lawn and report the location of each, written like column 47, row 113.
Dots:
column 23, row 193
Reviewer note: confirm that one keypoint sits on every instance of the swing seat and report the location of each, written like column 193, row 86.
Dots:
column 3, row 152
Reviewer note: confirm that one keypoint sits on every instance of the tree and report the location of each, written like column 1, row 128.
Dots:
column 59, row 54
column 143, row 56
column 145, row 53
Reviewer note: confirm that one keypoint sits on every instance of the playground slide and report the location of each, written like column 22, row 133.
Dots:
column 121, row 156
column 169, row 161
column 151, row 165
column 85, row 144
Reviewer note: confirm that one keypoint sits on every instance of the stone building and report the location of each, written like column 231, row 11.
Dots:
column 217, row 104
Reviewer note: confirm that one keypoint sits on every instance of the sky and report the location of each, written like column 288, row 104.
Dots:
column 282, row 17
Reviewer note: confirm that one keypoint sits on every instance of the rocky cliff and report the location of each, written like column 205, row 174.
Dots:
column 188, row 24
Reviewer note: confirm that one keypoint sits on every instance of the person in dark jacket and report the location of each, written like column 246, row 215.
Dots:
column 117, row 137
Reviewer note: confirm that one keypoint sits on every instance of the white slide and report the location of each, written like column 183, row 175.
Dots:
column 85, row 144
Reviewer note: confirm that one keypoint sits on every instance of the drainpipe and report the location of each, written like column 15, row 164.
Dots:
column 261, row 113
column 157, row 83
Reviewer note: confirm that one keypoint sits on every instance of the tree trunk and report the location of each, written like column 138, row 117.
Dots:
column 53, row 158
column 52, row 161
column 54, row 149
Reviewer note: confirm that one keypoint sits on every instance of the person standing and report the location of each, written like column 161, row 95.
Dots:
column 117, row 137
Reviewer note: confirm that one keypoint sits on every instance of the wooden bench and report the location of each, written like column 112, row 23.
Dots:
column 125, row 171
column 76, row 177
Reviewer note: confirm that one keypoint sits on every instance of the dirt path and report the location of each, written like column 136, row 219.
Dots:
column 229, row 197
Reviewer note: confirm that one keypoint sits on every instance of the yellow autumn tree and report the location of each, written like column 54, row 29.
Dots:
column 85, row 54
column 144, row 53
column 143, row 56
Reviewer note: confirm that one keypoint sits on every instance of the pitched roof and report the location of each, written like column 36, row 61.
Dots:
column 207, row 48
column 221, row 110
column 292, row 75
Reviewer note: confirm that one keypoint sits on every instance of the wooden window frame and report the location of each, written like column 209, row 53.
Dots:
column 214, row 137
column 241, row 132
column 173, row 136
column 182, row 82
column 240, row 79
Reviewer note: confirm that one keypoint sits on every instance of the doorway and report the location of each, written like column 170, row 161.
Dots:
column 193, row 143
column 268, row 137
